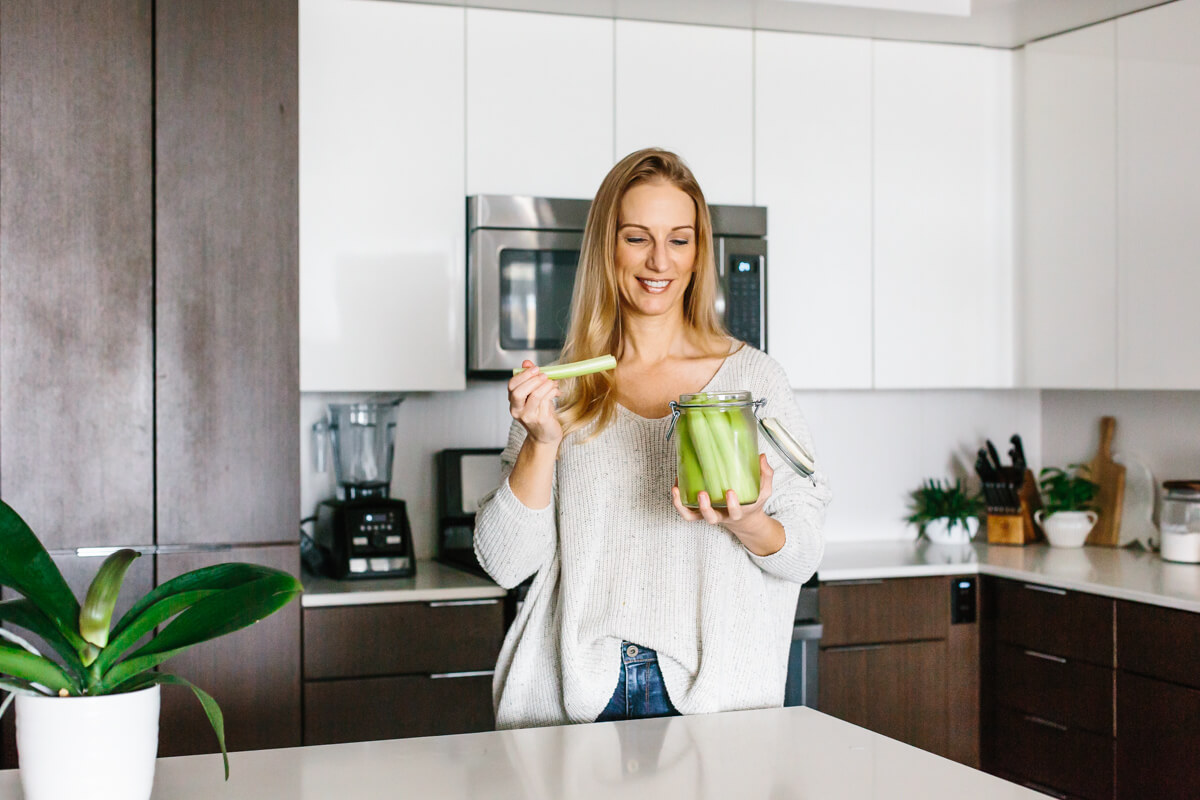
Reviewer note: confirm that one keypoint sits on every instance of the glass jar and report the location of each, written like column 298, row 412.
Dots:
column 716, row 447
column 1180, row 521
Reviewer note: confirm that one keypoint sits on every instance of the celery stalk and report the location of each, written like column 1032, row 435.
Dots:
column 710, row 459
column 719, row 422
column 691, row 478
column 556, row 372
column 745, row 436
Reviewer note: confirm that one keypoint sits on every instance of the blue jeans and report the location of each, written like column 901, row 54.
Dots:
column 640, row 691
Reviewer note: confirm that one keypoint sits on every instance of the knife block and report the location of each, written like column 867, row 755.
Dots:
column 1017, row 529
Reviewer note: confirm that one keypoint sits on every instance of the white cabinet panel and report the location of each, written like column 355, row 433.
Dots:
column 943, row 170
column 1158, row 205
column 813, row 173
column 381, row 196
column 1068, row 296
column 690, row 89
column 539, row 103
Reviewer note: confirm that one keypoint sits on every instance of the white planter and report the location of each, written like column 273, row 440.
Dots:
column 939, row 531
column 101, row 748
column 1067, row 528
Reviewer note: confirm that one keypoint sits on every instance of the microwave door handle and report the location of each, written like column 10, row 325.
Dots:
column 719, row 258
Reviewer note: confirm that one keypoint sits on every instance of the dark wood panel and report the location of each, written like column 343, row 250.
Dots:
column 1068, row 692
column 1159, row 642
column 1064, row 623
column 894, row 689
column 399, row 638
column 1158, row 739
column 870, row 612
column 1066, row 759
column 254, row 674
column 962, row 689
column 1037, row 787
column 76, row 357
column 227, row 324
column 365, row 709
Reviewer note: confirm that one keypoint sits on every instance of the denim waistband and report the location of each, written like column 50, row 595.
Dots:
column 642, row 655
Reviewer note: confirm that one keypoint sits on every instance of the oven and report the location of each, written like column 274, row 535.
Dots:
column 522, row 253
column 802, row 687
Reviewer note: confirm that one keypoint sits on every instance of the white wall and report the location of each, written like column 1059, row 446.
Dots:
column 875, row 446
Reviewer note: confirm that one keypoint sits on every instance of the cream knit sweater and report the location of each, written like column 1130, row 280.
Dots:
column 614, row 561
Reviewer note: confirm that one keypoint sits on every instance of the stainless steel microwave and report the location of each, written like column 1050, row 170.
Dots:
column 522, row 253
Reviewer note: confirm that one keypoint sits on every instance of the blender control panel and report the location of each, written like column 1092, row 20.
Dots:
column 375, row 529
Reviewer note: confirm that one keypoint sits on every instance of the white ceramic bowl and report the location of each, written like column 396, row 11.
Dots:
column 939, row 532
column 1067, row 528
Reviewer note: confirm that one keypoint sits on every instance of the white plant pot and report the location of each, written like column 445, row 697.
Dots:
column 939, row 531
column 1067, row 528
column 101, row 748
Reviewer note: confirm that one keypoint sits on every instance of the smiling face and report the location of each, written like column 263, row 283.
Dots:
column 655, row 248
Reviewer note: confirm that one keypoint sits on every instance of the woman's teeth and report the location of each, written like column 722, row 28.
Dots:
column 654, row 284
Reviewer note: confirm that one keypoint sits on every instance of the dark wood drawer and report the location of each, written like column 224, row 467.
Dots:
column 1159, row 642
column 1037, row 787
column 1158, row 739
column 402, row 638
column 365, row 709
column 872, row 612
column 1068, row 760
column 1053, row 688
column 1056, row 621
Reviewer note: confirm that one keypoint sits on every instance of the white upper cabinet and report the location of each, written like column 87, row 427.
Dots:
column 690, row 89
column 943, row 232
column 812, row 171
column 382, row 185
column 1068, row 287
column 1158, row 205
column 539, row 103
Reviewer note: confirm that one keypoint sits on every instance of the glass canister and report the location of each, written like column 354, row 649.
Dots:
column 1179, row 521
column 716, row 447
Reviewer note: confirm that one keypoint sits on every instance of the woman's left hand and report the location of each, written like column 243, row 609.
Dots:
column 757, row 531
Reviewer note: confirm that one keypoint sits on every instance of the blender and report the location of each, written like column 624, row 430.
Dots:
column 363, row 533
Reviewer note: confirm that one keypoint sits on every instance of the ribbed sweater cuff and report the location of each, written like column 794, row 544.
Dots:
column 802, row 549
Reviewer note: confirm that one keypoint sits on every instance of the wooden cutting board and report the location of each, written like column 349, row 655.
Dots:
column 1111, row 478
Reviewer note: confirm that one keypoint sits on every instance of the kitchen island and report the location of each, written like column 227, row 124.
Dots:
column 771, row 753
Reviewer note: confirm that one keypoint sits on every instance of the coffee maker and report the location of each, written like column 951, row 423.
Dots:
column 363, row 533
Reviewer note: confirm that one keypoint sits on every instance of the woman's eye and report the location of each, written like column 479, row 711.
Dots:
column 679, row 242
column 634, row 239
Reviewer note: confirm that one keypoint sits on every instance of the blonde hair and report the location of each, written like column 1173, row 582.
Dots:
column 596, row 325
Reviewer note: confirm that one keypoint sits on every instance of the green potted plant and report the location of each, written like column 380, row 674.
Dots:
column 1067, row 515
column 87, row 721
column 939, row 509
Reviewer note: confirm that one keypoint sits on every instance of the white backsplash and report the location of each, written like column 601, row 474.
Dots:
column 876, row 446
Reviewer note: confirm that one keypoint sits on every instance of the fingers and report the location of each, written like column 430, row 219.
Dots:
column 766, row 482
column 539, row 397
column 732, row 507
column 522, row 388
column 710, row 514
column 685, row 512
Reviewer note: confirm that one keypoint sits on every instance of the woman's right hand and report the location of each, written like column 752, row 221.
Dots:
column 531, row 402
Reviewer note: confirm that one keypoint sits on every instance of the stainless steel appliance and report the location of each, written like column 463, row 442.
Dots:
column 363, row 533
column 522, row 253
column 802, row 686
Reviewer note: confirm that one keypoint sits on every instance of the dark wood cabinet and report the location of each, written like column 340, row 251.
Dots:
column 227, row 274
column 76, row 248
column 1158, row 739
column 1055, row 621
column 394, row 670
column 253, row 674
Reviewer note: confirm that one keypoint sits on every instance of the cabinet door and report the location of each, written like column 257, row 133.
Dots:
column 1158, row 736
column 1068, row 287
column 76, row 249
column 539, row 103
column 382, row 186
column 690, row 89
column 227, row 391
column 898, row 690
column 1158, row 114
column 812, row 147
column 253, row 674
column 943, row 160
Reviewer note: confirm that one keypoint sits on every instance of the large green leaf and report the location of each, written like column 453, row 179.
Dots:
column 96, row 614
column 17, row 686
column 24, row 614
column 149, row 619
column 220, row 576
column 27, row 567
column 26, row 666
column 211, row 709
column 213, row 616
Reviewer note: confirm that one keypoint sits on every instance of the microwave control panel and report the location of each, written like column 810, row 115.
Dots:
column 743, row 298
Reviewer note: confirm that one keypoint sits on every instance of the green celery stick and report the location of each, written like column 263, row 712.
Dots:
column 735, row 471
column 556, row 372
column 691, row 479
column 710, row 459
column 745, row 435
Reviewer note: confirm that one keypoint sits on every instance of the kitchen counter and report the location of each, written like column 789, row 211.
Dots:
column 768, row 754
column 1122, row 573
column 434, row 581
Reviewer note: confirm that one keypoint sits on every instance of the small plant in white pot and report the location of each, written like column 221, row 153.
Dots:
column 1066, row 516
column 945, row 514
column 87, row 722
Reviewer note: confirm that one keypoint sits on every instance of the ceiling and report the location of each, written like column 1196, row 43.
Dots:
column 993, row 23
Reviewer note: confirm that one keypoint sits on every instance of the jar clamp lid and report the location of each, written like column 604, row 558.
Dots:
column 777, row 435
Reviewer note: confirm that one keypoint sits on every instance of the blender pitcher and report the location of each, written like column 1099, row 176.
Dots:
column 363, row 442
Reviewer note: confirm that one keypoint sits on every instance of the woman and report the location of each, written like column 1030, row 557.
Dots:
column 641, row 606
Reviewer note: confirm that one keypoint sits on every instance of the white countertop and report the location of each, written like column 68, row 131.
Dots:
column 1125, row 574
column 433, row 581
column 769, row 754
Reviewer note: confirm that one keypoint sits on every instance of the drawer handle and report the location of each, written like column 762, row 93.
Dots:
column 863, row 582
column 851, row 648
column 452, row 603
column 1037, row 787
column 1045, row 723
column 479, row 673
column 1046, row 656
column 1046, row 589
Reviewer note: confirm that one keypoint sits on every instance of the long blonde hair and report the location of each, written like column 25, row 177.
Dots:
column 596, row 325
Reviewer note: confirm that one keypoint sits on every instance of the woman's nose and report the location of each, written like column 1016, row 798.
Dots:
column 658, row 257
